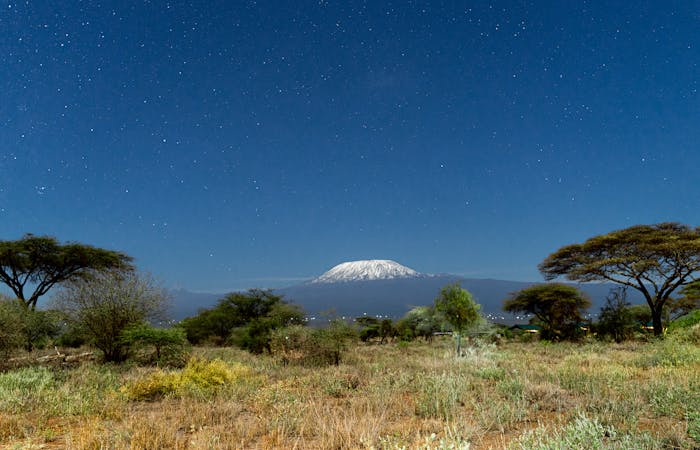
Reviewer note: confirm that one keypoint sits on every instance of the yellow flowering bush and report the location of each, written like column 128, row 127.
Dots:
column 198, row 376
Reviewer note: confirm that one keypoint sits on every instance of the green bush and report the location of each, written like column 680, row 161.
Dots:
column 686, row 328
column 160, row 346
column 11, row 329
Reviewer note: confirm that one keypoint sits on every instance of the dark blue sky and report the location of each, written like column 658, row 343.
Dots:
column 231, row 144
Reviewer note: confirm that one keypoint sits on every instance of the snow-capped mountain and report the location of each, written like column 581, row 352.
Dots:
column 373, row 269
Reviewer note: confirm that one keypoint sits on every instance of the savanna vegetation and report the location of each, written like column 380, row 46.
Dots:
column 102, row 368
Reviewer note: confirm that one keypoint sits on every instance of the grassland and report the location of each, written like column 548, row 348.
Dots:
column 395, row 396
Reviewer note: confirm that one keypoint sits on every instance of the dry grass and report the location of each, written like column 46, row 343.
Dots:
column 382, row 397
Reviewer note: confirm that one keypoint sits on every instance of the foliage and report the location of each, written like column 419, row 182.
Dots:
column 212, row 325
column 254, row 336
column 244, row 319
column 312, row 347
column 616, row 320
column 687, row 321
column 26, row 328
column 688, row 302
column 199, row 377
column 686, row 328
column 558, row 308
column 421, row 321
column 368, row 327
column 371, row 328
column 295, row 344
column 106, row 304
column 459, row 309
column 333, row 340
column 42, row 262
column 11, row 327
column 163, row 346
column 653, row 259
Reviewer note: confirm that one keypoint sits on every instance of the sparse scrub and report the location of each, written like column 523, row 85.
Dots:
column 583, row 433
column 409, row 396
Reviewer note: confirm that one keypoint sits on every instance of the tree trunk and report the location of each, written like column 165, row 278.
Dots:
column 656, row 321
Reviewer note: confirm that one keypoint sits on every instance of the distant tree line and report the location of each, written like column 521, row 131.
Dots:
column 104, row 302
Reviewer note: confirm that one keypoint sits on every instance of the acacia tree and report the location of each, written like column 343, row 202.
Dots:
column 459, row 309
column 653, row 259
column 559, row 308
column 41, row 262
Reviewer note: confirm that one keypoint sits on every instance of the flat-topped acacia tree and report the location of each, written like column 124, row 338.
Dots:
column 40, row 262
column 653, row 259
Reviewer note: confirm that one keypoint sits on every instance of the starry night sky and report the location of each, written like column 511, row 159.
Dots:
column 232, row 144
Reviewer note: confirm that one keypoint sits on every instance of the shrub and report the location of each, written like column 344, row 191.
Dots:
column 295, row 344
column 616, row 320
column 160, row 346
column 686, row 328
column 305, row 346
column 198, row 377
column 105, row 304
column 11, row 330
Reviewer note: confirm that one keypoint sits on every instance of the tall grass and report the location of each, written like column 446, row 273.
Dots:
column 409, row 396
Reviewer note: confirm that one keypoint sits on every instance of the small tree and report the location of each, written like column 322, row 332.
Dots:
column 369, row 328
column 459, row 309
column 107, row 303
column 616, row 319
column 333, row 340
column 167, row 345
column 42, row 262
column 387, row 330
column 558, row 308
column 33, row 328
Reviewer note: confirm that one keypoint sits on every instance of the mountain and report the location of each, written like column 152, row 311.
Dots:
column 387, row 288
column 373, row 269
column 394, row 297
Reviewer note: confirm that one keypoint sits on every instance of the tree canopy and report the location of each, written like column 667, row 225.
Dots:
column 42, row 262
column 653, row 259
column 459, row 309
column 557, row 307
column 243, row 318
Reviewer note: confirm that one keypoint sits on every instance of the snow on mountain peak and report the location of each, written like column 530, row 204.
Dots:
column 373, row 269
